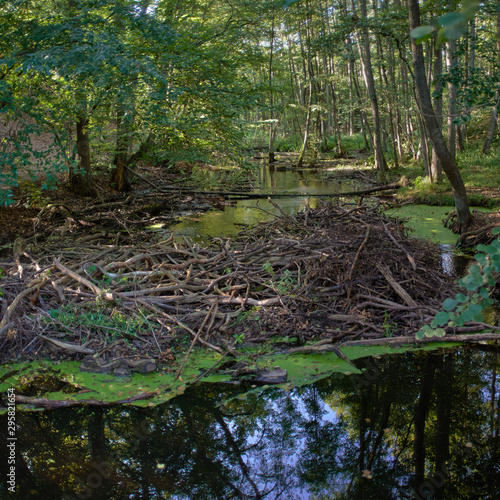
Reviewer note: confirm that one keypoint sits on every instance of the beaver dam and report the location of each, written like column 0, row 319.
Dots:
column 337, row 273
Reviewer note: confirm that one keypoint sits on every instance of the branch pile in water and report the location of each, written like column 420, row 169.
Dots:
column 342, row 273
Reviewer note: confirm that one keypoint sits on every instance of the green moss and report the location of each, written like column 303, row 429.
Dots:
column 302, row 369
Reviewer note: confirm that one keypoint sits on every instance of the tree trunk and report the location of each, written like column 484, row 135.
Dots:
column 436, row 171
column 433, row 129
column 335, row 112
column 364, row 50
column 491, row 131
column 300, row 161
column 79, row 178
column 272, row 125
column 120, row 176
column 424, row 146
column 494, row 113
column 452, row 99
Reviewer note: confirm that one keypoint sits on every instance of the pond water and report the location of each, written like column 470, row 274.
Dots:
column 221, row 223
column 412, row 425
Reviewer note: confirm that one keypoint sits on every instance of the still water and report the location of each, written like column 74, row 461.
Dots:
column 413, row 425
column 227, row 222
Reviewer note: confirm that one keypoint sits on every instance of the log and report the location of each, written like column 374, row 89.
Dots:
column 257, row 196
column 394, row 341
column 52, row 405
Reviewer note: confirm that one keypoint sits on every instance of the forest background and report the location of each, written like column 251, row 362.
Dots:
column 112, row 83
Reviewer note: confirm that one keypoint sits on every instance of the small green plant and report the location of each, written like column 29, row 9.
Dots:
column 286, row 283
column 390, row 327
column 479, row 281
column 96, row 318
column 268, row 268
column 239, row 338
column 248, row 315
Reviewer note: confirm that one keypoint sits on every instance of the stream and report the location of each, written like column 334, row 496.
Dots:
column 410, row 424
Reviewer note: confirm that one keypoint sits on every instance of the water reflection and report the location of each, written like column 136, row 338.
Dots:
column 227, row 222
column 413, row 426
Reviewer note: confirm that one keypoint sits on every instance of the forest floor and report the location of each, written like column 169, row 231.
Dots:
column 86, row 278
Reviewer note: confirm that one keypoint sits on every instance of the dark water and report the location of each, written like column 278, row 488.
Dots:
column 420, row 425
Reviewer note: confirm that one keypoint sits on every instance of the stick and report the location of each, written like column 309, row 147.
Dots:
column 69, row 347
column 49, row 404
column 396, row 286
column 479, row 337
column 39, row 283
column 408, row 256
column 83, row 281
column 363, row 243
column 194, row 341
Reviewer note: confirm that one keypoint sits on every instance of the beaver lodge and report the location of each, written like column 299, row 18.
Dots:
column 334, row 274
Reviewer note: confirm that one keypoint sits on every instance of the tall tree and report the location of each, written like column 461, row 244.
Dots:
column 494, row 112
column 432, row 126
column 366, row 62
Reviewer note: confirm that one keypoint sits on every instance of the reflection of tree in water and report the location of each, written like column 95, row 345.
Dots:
column 413, row 426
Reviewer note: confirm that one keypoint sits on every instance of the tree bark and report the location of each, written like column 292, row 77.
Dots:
column 306, row 128
column 452, row 99
column 494, row 113
column 79, row 178
column 120, row 176
column 436, row 171
column 364, row 50
column 272, row 125
column 433, row 129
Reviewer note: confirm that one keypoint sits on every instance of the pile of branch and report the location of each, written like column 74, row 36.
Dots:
column 338, row 272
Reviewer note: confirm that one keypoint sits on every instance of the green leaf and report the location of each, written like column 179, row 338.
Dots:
column 422, row 33
column 450, row 304
column 420, row 335
column 460, row 297
column 474, row 269
column 451, row 18
column 441, row 318
column 495, row 230
column 441, row 37
column 439, row 332
column 481, row 258
column 472, row 312
column 470, row 7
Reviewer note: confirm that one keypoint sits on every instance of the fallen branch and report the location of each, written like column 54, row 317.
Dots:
column 53, row 405
column 396, row 286
column 67, row 346
column 257, row 196
column 394, row 341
